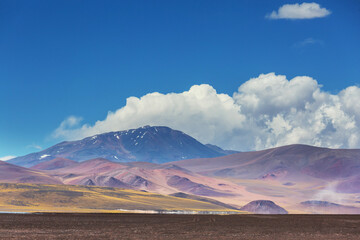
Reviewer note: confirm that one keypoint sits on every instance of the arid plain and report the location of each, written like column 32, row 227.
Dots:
column 164, row 226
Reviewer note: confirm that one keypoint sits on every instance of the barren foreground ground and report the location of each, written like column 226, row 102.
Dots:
column 148, row 226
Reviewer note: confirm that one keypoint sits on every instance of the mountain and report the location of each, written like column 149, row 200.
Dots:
column 149, row 144
column 285, row 163
column 263, row 207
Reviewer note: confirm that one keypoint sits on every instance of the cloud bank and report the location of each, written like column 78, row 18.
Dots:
column 299, row 11
column 264, row 112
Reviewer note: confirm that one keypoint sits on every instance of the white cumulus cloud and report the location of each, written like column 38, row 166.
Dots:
column 267, row 111
column 189, row 111
column 6, row 158
column 299, row 11
column 66, row 126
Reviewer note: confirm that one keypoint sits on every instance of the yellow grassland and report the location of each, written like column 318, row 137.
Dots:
column 19, row 197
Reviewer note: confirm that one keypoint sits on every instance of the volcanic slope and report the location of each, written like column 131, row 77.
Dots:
column 150, row 144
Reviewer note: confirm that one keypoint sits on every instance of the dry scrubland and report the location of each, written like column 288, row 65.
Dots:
column 21, row 197
column 149, row 226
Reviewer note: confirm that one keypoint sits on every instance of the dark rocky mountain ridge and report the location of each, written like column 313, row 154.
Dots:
column 149, row 144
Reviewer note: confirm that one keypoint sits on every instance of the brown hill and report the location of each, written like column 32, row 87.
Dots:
column 263, row 207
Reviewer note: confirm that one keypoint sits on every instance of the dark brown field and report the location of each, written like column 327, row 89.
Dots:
column 149, row 226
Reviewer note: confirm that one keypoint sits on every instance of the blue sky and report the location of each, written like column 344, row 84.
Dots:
column 85, row 58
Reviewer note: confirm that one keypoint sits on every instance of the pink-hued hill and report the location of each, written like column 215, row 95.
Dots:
column 56, row 163
column 142, row 176
column 93, row 167
column 10, row 173
column 349, row 185
column 283, row 163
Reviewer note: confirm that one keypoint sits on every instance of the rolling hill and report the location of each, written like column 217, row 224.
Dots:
column 165, row 179
column 15, row 174
column 157, row 178
column 64, row 198
column 324, row 207
column 287, row 163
